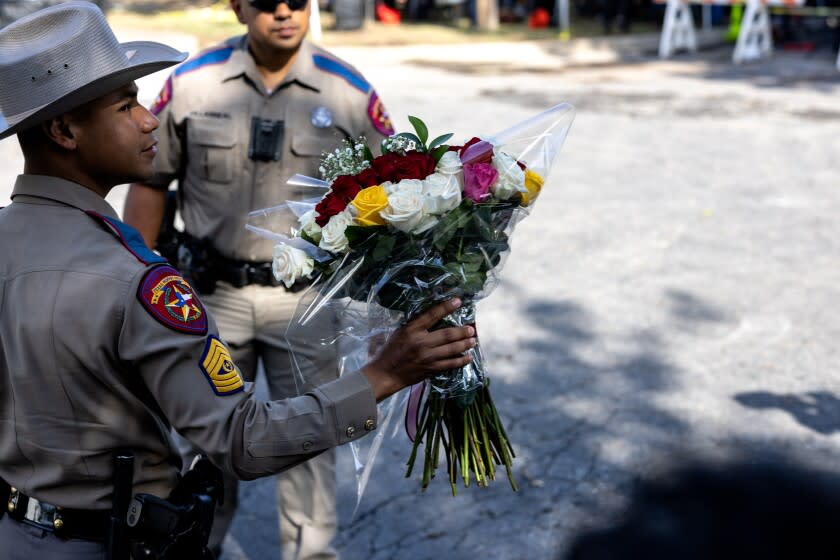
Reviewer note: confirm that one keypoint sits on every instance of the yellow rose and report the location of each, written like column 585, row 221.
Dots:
column 533, row 184
column 369, row 202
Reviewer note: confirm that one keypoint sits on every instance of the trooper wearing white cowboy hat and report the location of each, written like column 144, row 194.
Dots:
column 102, row 344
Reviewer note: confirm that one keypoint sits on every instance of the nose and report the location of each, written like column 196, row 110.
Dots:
column 148, row 121
column 282, row 11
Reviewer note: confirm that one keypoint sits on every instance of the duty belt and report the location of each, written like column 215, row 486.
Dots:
column 242, row 273
column 91, row 525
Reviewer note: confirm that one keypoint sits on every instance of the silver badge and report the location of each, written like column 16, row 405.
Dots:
column 322, row 117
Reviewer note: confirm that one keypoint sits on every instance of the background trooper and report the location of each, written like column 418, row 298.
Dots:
column 237, row 121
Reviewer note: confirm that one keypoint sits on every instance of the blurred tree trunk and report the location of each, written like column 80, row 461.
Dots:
column 487, row 14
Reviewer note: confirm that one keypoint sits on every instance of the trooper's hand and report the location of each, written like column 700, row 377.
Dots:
column 414, row 353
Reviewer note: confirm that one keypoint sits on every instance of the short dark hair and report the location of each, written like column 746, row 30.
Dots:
column 741, row 511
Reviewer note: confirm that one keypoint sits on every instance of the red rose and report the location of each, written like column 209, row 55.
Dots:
column 367, row 178
column 346, row 187
column 414, row 165
column 329, row 206
column 384, row 166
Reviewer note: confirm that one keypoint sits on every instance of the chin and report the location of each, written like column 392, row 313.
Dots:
column 287, row 45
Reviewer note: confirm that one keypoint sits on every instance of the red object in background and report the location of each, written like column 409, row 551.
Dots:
column 386, row 14
column 799, row 46
column 539, row 18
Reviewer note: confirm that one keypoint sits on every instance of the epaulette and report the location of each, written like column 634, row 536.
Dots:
column 207, row 58
column 129, row 237
column 342, row 70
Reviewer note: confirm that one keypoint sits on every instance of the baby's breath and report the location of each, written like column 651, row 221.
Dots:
column 399, row 144
column 349, row 159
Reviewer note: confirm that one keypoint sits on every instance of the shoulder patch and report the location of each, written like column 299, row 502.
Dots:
column 333, row 66
column 129, row 237
column 171, row 301
column 163, row 98
column 217, row 365
column 207, row 58
column 379, row 117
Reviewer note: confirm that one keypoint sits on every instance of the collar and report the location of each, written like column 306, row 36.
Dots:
column 62, row 191
column 242, row 63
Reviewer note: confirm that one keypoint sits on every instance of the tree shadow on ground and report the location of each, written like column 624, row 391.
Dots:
column 816, row 410
column 582, row 419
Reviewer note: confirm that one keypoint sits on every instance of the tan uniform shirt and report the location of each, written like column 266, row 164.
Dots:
column 206, row 110
column 100, row 345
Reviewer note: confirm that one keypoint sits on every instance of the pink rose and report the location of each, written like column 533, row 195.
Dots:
column 477, row 180
column 477, row 152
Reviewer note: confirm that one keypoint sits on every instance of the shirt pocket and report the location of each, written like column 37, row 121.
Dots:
column 211, row 144
column 310, row 145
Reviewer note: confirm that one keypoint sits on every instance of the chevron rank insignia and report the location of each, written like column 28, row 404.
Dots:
column 171, row 301
column 219, row 368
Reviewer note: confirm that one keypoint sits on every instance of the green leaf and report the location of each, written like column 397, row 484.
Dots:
column 420, row 128
column 383, row 147
column 356, row 235
column 306, row 237
column 383, row 248
column 421, row 147
column 440, row 140
column 438, row 152
column 447, row 227
column 368, row 154
column 455, row 268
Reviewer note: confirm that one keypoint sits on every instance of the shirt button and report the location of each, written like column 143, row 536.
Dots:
column 307, row 445
column 350, row 431
column 369, row 424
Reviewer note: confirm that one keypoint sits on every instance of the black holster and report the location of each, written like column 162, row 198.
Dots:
column 179, row 527
column 189, row 255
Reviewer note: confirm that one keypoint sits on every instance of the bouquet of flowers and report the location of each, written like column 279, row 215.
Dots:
column 396, row 233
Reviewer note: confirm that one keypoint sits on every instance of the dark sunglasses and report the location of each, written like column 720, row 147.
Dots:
column 271, row 5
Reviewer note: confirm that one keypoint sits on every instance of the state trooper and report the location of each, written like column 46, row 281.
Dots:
column 104, row 346
column 238, row 120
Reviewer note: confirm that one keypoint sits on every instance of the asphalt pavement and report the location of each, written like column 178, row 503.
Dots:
column 673, row 292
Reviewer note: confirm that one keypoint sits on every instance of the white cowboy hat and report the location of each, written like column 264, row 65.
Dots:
column 61, row 57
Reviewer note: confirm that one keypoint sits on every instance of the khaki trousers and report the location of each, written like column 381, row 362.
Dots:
column 253, row 322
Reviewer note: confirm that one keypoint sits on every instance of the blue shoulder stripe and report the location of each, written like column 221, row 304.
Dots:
column 335, row 67
column 129, row 237
column 216, row 56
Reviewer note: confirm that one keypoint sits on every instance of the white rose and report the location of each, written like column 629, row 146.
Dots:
column 309, row 226
column 406, row 211
column 449, row 163
column 406, row 185
column 332, row 234
column 443, row 193
column 289, row 264
column 511, row 177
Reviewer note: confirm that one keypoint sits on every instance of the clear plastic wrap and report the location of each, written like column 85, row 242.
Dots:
column 394, row 235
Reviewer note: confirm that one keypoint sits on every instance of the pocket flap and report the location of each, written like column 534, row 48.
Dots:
column 307, row 145
column 211, row 132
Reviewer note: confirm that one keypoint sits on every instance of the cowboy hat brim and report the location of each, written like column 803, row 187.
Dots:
column 145, row 57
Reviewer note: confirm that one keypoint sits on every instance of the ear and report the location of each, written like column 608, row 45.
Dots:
column 236, row 6
column 59, row 130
